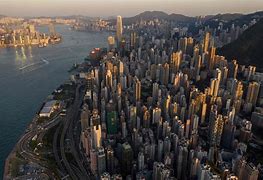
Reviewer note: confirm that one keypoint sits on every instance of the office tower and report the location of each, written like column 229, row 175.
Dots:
column 155, row 91
column 137, row 89
column 146, row 119
column 109, row 80
column 182, row 162
column 112, row 126
column 156, row 117
column 101, row 160
column 245, row 132
column 119, row 29
column 252, row 93
column 166, row 145
column 121, row 68
column 187, row 129
column 206, row 41
column 182, row 45
column 96, row 134
column 198, row 67
column 190, row 46
column 157, row 167
column 251, row 172
column 165, row 74
column 86, row 139
column 126, row 158
column 250, row 72
column 123, row 129
column 111, row 42
column 228, row 135
column 140, row 161
column 175, row 62
column 132, row 117
column 212, row 125
column 224, row 75
column 211, row 58
column 110, row 160
column 203, row 113
column 215, row 128
column 93, row 161
column 245, row 171
column 84, row 117
column 133, row 39
column 160, row 150
column 233, row 67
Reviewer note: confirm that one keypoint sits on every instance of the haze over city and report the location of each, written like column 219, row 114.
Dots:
column 125, row 7
column 131, row 90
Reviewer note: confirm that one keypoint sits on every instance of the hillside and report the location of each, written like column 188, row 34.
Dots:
column 225, row 17
column 247, row 49
column 150, row 15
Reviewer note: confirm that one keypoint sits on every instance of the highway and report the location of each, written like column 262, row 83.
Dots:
column 23, row 144
column 67, row 168
column 75, row 172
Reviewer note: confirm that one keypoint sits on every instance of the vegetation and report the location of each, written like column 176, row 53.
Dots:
column 33, row 144
column 15, row 164
column 247, row 48
column 41, row 120
column 67, row 92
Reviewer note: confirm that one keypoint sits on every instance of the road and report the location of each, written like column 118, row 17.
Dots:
column 23, row 144
column 75, row 172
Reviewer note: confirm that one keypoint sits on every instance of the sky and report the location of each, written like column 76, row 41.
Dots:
column 125, row 8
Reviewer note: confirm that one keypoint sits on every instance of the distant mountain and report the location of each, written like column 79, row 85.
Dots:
column 229, row 19
column 246, row 19
column 247, row 49
column 225, row 17
column 150, row 15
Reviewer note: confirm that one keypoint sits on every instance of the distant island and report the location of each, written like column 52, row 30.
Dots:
column 25, row 34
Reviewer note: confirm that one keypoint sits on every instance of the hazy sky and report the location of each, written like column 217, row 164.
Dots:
column 105, row 8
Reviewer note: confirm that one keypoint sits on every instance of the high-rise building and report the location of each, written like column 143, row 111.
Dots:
column 246, row 171
column 110, row 160
column 96, row 136
column 112, row 126
column 119, row 28
column 133, row 39
column 252, row 93
column 140, row 161
column 175, row 63
column 206, row 41
column 101, row 160
column 126, row 158
column 111, row 42
column 137, row 89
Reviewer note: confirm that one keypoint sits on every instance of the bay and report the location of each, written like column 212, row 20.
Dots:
column 29, row 74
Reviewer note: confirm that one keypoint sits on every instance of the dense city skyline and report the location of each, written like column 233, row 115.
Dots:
column 125, row 8
column 163, row 97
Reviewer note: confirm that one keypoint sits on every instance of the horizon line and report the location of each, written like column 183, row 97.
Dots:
column 111, row 16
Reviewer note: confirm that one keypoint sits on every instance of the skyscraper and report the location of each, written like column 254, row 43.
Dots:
column 127, row 156
column 101, row 160
column 119, row 28
column 206, row 41
column 252, row 93
column 137, row 89
column 96, row 134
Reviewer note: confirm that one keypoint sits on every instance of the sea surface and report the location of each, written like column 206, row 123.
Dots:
column 29, row 74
